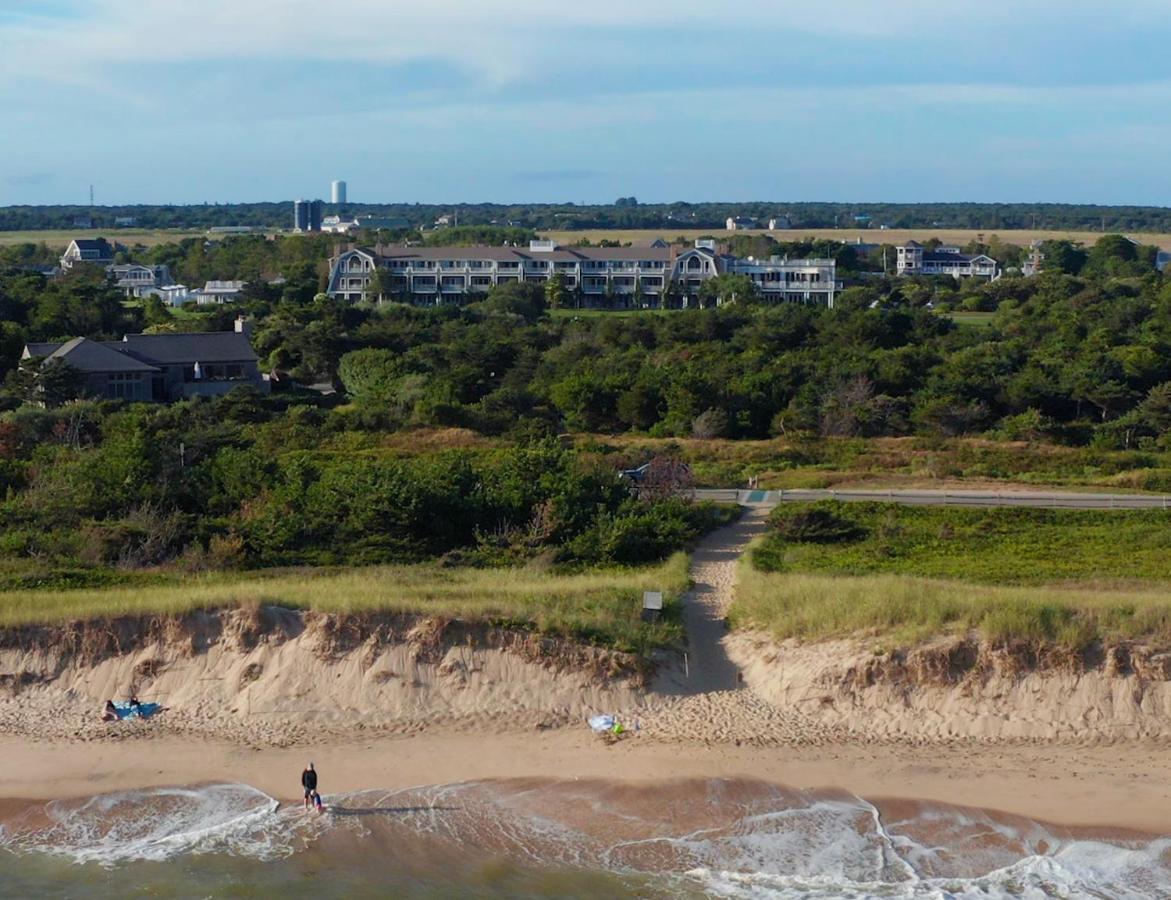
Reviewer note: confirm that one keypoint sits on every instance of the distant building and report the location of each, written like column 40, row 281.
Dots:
column 913, row 259
column 739, row 223
column 443, row 222
column 83, row 222
column 630, row 277
column 337, row 193
column 139, row 280
column 780, row 223
column 172, row 294
column 85, row 251
column 1035, row 261
column 218, row 292
column 340, row 225
column 307, row 215
column 125, row 221
column 235, row 229
column 159, row 367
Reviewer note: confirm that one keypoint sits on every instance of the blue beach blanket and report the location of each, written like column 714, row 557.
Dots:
column 142, row 711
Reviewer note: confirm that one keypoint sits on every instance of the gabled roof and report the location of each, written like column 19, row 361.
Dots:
column 94, row 245
column 516, row 254
column 91, row 356
column 201, row 347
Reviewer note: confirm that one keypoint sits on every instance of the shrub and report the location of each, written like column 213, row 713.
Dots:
column 816, row 525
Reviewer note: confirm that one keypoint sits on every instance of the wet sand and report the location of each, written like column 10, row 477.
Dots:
column 1114, row 786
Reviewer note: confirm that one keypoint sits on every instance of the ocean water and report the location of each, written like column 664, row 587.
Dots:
column 539, row 838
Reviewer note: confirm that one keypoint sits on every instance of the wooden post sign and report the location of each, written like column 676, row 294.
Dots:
column 652, row 605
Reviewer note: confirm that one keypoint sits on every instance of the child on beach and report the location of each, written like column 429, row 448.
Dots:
column 317, row 802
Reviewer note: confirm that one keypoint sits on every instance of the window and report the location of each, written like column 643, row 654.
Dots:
column 123, row 386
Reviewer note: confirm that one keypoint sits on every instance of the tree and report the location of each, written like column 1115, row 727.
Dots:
column 556, row 293
column 370, row 375
column 728, row 288
column 49, row 382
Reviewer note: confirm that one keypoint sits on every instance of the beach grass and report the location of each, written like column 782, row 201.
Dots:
column 984, row 546
column 903, row 609
column 906, row 574
column 602, row 606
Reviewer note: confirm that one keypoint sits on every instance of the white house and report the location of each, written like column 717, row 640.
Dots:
column 913, row 259
column 218, row 292
column 138, row 280
column 739, row 223
column 86, row 251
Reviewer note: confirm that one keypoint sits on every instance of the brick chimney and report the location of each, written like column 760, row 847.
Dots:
column 244, row 326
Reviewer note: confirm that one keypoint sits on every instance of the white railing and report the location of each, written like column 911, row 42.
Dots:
column 1037, row 500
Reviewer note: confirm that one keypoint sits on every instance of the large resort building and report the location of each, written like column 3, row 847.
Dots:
column 629, row 277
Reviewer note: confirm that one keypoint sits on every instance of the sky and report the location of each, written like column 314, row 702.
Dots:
column 178, row 101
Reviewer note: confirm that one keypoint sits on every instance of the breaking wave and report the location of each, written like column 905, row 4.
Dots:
column 726, row 838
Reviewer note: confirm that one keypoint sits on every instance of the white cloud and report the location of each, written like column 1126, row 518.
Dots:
column 500, row 40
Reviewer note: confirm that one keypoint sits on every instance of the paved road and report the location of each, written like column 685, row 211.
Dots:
column 1037, row 499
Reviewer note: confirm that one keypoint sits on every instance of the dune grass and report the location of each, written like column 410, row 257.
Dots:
column 906, row 574
column 986, row 546
column 601, row 606
column 903, row 609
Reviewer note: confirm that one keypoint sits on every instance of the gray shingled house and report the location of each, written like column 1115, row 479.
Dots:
column 159, row 367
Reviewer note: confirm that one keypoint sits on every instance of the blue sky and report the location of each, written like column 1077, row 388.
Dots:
column 157, row 101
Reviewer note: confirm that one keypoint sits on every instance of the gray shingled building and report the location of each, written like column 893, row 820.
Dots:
column 159, row 367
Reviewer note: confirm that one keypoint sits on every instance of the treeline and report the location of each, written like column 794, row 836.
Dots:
column 244, row 480
column 627, row 212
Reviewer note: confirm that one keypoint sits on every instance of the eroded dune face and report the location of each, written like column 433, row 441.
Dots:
column 277, row 674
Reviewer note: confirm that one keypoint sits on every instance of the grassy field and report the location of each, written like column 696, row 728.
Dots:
column 128, row 236
column 869, row 236
column 986, row 546
column 602, row 607
column 905, row 574
column 791, row 463
column 902, row 610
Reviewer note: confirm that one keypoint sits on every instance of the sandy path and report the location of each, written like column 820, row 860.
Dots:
column 705, row 606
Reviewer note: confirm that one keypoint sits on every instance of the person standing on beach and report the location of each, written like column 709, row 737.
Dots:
column 309, row 783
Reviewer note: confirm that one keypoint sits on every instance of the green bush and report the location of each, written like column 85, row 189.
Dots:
column 821, row 524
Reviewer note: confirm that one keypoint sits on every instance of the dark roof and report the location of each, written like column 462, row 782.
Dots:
column 91, row 356
column 101, row 245
column 520, row 254
column 201, row 347
column 41, row 349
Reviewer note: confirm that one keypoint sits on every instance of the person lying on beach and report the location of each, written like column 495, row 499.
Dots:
column 309, row 783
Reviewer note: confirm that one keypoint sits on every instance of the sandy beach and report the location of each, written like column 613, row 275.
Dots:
column 1111, row 786
column 1092, row 750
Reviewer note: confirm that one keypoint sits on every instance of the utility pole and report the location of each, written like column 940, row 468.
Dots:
column 91, row 196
